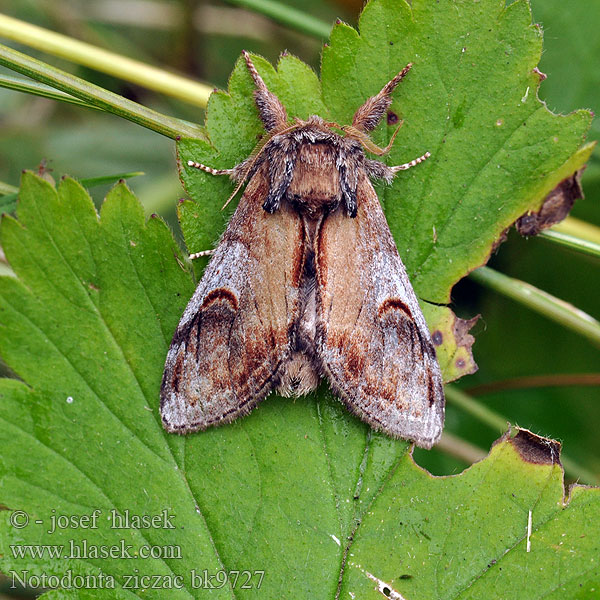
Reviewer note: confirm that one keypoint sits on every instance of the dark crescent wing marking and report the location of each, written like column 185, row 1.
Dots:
column 372, row 337
column 235, row 331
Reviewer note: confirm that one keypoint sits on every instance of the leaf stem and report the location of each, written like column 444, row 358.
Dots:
column 105, row 61
column 536, row 381
column 461, row 449
column 558, row 310
column 91, row 182
column 570, row 241
column 286, row 15
column 576, row 234
column 476, row 409
column 579, row 228
column 97, row 96
column 7, row 188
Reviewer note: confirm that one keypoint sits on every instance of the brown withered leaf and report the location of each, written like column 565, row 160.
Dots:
column 533, row 448
column 554, row 209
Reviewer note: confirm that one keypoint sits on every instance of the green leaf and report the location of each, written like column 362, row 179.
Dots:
column 467, row 536
column 300, row 489
column 8, row 203
column 470, row 99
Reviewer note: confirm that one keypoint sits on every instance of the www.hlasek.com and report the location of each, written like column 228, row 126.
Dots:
column 139, row 581
column 83, row 550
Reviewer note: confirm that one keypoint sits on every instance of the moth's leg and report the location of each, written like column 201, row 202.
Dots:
column 207, row 169
column 237, row 173
column 201, row 253
column 377, row 170
column 410, row 164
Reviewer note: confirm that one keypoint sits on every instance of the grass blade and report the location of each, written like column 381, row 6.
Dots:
column 97, row 96
column 288, row 16
column 105, row 61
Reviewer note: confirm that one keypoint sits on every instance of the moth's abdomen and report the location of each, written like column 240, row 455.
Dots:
column 299, row 376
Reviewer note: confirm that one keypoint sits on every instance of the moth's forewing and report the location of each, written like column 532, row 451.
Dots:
column 372, row 337
column 234, row 333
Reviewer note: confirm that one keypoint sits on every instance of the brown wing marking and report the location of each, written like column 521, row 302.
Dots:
column 372, row 337
column 235, row 332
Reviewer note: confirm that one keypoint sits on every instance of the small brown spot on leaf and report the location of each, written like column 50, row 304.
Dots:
column 460, row 363
column 392, row 118
column 437, row 338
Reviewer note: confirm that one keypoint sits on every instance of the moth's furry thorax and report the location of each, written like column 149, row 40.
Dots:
column 314, row 168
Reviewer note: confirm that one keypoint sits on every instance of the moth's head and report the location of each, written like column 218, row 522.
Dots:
column 367, row 117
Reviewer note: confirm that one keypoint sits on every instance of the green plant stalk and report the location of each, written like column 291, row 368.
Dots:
column 558, row 310
column 476, row 409
column 459, row 448
column 8, row 203
column 6, row 188
column 579, row 229
column 499, row 423
column 97, row 96
column 286, row 15
column 90, row 182
column 39, row 89
column 570, row 241
column 105, row 61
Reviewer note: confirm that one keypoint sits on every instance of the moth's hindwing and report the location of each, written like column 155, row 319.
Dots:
column 235, row 332
column 372, row 338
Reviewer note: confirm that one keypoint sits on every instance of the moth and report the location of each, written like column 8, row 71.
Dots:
column 306, row 282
